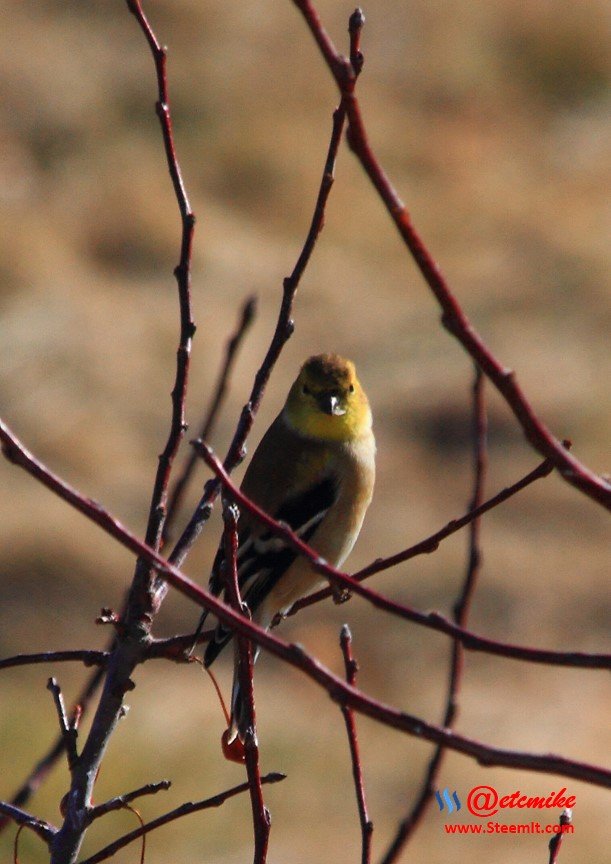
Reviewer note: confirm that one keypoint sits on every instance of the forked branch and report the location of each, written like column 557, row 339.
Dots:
column 453, row 318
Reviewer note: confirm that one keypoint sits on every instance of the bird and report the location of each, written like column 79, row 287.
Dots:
column 314, row 470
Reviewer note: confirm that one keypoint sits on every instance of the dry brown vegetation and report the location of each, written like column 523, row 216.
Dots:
column 490, row 118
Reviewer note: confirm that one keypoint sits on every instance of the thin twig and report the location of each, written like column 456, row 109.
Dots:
column 409, row 825
column 89, row 658
column 122, row 801
column 15, row 814
column 453, row 317
column 157, row 512
column 177, row 648
column 351, row 667
column 260, row 814
column 356, row 23
column 184, row 810
column 566, row 818
column 175, row 500
column 68, row 728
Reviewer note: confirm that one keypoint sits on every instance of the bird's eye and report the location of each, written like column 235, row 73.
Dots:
column 351, row 388
column 306, row 391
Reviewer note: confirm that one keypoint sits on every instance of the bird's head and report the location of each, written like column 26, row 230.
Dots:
column 327, row 401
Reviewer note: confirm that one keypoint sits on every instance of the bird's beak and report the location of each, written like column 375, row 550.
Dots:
column 330, row 404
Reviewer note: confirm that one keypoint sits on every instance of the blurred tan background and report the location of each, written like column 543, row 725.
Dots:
column 490, row 118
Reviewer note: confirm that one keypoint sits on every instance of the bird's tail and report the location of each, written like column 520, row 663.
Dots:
column 222, row 636
column 239, row 721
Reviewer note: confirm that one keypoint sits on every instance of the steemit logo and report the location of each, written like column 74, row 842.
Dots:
column 445, row 800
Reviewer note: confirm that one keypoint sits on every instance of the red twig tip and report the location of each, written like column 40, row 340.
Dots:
column 351, row 667
column 565, row 825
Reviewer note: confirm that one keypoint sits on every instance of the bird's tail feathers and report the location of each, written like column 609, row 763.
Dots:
column 222, row 635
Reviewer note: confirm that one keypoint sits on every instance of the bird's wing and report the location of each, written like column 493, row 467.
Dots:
column 264, row 558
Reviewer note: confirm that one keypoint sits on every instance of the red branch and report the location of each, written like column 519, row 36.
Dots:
column 89, row 658
column 453, row 317
column 556, row 841
column 182, row 273
column 351, row 667
column 14, row 814
column 260, row 814
column 122, row 801
column 293, row 654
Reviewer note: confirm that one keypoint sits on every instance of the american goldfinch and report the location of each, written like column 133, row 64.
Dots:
column 313, row 470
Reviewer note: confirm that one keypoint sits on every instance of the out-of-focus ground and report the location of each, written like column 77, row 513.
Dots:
column 491, row 120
